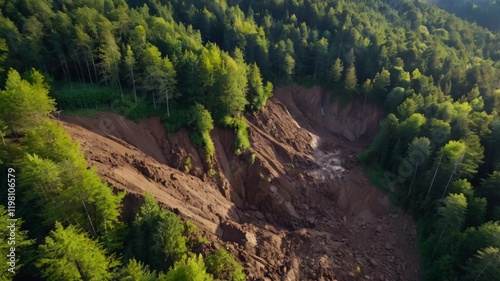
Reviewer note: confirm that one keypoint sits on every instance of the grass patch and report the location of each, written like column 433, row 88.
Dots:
column 80, row 96
column 376, row 175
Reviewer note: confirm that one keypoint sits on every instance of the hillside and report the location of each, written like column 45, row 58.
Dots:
column 251, row 119
column 302, row 211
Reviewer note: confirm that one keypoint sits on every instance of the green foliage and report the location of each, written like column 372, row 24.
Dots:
column 350, row 80
column 336, row 71
column 156, row 237
column 55, row 173
column 80, row 96
column 142, row 58
column 223, row 266
column 240, row 126
column 201, row 122
column 68, row 254
column 257, row 92
column 24, row 104
column 484, row 266
column 193, row 268
column 135, row 271
column 481, row 237
column 4, row 49
column 21, row 243
column 191, row 234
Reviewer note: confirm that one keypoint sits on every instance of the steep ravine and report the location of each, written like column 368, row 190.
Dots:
column 303, row 210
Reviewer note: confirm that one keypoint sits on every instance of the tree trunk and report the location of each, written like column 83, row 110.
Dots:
column 434, row 177
column 88, row 68
column 80, row 67
column 119, row 83
column 95, row 69
column 168, row 107
column 133, row 83
column 67, row 71
column 414, row 176
column 459, row 162
column 78, row 73
column 94, row 232
column 440, row 236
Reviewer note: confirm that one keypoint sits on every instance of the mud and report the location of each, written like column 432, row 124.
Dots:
column 302, row 210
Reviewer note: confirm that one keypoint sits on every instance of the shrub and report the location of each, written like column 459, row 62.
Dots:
column 240, row 126
column 224, row 267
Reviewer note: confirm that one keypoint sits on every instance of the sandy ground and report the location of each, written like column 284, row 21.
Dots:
column 303, row 210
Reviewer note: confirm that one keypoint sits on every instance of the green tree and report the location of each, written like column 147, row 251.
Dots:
column 129, row 63
column 336, row 70
column 156, row 237
column 481, row 237
column 4, row 50
column 407, row 108
column 68, row 254
column 23, row 104
column 350, row 79
column 381, row 82
column 320, row 55
column 55, row 173
column 484, row 266
column 418, row 152
column 110, row 57
column 224, row 267
column 21, row 243
column 159, row 77
column 135, row 271
column 193, row 269
column 288, row 67
column 490, row 189
column 257, row 93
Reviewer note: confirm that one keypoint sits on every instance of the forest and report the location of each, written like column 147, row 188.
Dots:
column 483, row 13
column 200, row 64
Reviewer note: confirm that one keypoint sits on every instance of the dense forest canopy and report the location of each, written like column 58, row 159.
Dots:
column 200, row 63
column 483, row 12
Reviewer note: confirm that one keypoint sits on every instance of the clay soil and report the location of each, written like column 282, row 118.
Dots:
column 301, row 209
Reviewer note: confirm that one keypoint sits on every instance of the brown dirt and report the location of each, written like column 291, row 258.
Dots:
column 303, row 210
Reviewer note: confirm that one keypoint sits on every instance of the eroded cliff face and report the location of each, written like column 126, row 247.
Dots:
column 301, row 209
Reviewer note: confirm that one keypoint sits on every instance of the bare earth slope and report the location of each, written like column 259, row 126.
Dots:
column 303, row 210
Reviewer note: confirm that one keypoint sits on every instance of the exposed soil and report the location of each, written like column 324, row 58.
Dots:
column 302, row 210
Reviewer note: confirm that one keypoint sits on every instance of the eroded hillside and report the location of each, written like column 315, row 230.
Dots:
column 301, row 210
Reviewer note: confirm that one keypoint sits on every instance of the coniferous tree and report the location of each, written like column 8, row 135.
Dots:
column 69, row 254
column 24, row 104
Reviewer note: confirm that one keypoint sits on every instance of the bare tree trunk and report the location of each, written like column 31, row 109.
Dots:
column 440, row 236
column 65, row 65
column 119, row 83
column 78, row 73
column 133, row 83
column 80, row 67
column 168, row 107
column 414, row 176
column 94, row 232
column 88, row 68
column 95, row 68
column 434, row 177
column 458, row 163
